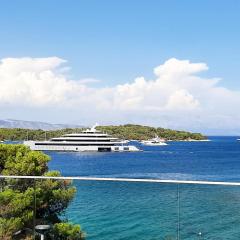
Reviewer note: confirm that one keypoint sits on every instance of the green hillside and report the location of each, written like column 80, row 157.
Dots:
column 128, row 131
column 139, row 132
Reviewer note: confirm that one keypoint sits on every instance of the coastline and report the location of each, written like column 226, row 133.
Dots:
column 190, row 140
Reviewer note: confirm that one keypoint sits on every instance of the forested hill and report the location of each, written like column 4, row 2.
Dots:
column 139, row 132
column 128, row 131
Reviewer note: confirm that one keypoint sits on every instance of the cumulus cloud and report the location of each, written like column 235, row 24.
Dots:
column 176, row 97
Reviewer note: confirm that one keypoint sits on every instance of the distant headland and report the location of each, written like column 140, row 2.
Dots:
column 127, row 131
column 140, row 132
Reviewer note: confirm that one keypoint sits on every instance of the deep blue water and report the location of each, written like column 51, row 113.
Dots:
column 120, row 210
column 218, row 159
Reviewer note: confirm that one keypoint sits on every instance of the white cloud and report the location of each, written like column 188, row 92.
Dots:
column 174, row 67
column 177, row 97
column 89, row 80
column 35, row 82
column 182, row 100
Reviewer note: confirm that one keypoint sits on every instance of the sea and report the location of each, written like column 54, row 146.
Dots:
column 139, row 211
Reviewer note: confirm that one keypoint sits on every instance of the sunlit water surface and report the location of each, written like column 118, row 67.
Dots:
column 121, row 210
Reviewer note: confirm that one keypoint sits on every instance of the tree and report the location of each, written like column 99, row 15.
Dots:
column 18, row 197
column 64, row 230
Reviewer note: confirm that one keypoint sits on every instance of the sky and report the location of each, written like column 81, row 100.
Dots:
column 171, row 63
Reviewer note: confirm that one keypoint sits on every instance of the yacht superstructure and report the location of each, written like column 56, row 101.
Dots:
column 88, row 140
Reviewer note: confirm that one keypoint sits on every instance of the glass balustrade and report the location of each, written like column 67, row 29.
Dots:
column 119, row 209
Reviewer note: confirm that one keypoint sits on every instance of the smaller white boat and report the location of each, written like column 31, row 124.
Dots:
column 1, row 141
column 154, row 142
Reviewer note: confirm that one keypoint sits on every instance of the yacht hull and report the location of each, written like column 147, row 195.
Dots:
column 155, row 144
column 75, row 148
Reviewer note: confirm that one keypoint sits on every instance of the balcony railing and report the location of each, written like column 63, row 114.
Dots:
column 127, row 208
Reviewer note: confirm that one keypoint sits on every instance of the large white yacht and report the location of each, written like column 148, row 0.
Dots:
column 88, row 140
column 154, row 142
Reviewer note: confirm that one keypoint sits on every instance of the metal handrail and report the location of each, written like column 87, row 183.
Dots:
column 144, row 180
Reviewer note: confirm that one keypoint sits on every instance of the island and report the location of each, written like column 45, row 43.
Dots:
column 127, row 131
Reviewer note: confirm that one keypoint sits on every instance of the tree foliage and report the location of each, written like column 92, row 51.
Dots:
column 128, row 131
column 64, row 230
column 19, row 134
column 19, row 197
column 139, row 132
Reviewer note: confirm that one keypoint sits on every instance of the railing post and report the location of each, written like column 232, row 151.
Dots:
column 178, row 203
column 34, row 209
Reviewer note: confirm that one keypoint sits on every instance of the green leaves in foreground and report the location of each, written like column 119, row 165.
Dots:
column 19, row 196
column 64, row 230
column 17, row 159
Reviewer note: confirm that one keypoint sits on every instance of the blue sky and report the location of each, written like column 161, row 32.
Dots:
column 117, row 41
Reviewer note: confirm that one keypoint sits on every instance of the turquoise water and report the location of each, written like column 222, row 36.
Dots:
column 121, row 210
